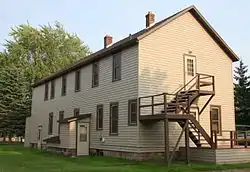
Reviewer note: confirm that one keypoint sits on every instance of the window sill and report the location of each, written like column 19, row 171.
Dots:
column 93, row 86
column 114, row 80
column 99, row 129
column 77, row 91
column 132, row 124
column 113, row 134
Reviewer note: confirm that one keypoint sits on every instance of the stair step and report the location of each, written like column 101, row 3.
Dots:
column 205, row 83
column 190, row 91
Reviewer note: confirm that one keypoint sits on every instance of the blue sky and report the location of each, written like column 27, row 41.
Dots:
column 91, row 20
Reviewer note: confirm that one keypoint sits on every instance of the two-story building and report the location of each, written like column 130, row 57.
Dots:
column 96, row 104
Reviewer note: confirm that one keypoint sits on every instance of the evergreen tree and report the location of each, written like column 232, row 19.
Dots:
column 242, row 94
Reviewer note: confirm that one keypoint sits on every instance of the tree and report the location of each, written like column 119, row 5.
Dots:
column 45, row 50
column 242, row 94
column 14, row 93
column 31, row 54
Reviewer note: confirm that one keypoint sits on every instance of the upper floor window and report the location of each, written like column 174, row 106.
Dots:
column 113, row 123
column 132, row 112
column 64, row 85
column 99, row 117
column 76, row 112
column 52, row 89
column 116, row 72
column 77, row 80
column 95, row 74
column 50, row 128
column 46, row 92
column 216, row 118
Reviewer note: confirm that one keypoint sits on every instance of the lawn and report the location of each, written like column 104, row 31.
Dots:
column 15, row 158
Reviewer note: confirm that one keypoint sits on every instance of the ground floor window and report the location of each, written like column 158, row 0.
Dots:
column 216, row 118
column 114, row 118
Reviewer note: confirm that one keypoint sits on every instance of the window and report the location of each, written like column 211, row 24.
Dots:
column 95, row 74
column 216, row 118
column 61, row 117
column 83, row 133
column 132, row 112
column 113, row 119
column 190, row 67
column 76, row 112
column 99, row 117
column 64, row 85
column 46, row 92
column 52, row 91
column 50, row 128
column 116, row 67
column 77, row 80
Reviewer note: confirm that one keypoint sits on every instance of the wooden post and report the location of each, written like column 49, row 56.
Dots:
column 166, row 131
column 198, row 82
column 245, row 138
column 153, row 105
column 231, row 139
column 213, row 83
column 187, row 144
column 215, row 140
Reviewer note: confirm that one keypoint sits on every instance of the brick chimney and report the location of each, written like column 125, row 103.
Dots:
column 150, row 19
column 107, row 40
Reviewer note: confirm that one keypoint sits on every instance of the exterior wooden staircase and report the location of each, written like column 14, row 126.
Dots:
column 178, row 107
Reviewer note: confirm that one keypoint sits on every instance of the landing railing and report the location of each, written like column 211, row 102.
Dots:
column 237, row 139
column 151, row 104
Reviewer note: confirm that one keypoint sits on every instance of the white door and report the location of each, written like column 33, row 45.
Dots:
column 189, row 69
column 82, row 139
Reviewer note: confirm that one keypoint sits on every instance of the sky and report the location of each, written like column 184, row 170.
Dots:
column 92, row 20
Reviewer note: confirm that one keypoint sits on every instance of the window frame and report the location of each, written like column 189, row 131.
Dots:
column 218, row 107
column 130, row 102
column 64, row 85
column 98, row 117
column 76, row 110
column 95, row 73
column 61, row 117
column 116, row 76
column 50, row 125
column 78, row 80
column 52, row 89
column 111, row 119
column 46, row 91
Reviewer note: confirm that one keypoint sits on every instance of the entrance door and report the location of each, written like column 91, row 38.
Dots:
column 189, row 69
column 82, row 139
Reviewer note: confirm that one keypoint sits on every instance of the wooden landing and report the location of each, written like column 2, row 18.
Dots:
column 158, row 117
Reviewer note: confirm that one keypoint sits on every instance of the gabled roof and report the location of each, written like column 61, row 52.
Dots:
column 134, row 38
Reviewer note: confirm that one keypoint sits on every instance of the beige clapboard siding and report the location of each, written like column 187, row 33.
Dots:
column 161, row 67
column 64, row 135
column 205, row 155
column 88, row 98
column 229, row 156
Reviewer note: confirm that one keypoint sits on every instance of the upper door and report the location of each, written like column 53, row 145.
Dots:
column 82, row 139
column 189, row 68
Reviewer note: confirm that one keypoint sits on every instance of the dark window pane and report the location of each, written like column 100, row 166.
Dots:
column 50, row 128
column 52, row 91
column 114, row 119
column 99, row 117
column 95, row 74
column 64, row 85
column 132, row 118
column 116, row 66
column 46, row 92
column 76, row 112
column 77, row 80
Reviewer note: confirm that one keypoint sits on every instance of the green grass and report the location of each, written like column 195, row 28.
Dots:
column 15, row 158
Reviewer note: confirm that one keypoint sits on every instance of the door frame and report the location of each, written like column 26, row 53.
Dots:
column 77, row 122
column 184, row 66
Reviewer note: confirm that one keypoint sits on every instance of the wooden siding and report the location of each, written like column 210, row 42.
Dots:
column 199, row 154
column 88, row 98
column 64, row 135
column 161, row 69
column 230, row 156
